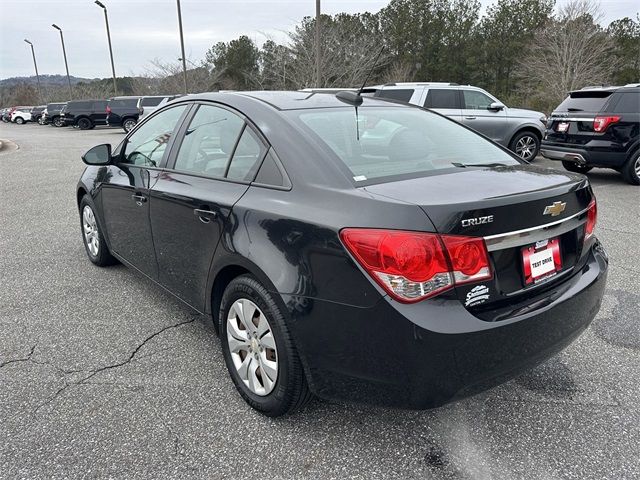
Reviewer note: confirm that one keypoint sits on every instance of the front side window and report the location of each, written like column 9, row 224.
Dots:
column 474, row 100
column 385, row 142
column 148, row 143
column 209, row 142
column 442, row 98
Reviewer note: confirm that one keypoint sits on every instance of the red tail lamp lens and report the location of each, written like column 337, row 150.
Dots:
column 592, row 217
column 600, row 124
column 412, row 266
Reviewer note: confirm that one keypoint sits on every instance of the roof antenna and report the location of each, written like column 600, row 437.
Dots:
column 355, row 98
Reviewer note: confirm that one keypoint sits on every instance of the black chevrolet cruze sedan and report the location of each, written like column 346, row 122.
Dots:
column 355, row 249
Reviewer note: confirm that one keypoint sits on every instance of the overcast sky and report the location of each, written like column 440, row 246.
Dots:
column 142, row 30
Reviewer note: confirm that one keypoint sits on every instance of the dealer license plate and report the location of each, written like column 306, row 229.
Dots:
column 562, row 127
column 541, row 260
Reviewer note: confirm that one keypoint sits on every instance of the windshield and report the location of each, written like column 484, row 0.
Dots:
column 392, row 141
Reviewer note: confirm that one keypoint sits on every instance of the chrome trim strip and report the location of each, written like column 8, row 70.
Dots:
column 572, row 119
column 533, row 234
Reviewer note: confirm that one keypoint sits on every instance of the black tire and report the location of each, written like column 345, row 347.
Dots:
column 631, row 169
column 19, row 120
column 84, row 124
column 128, row 124
column 526, row 145
column 57, row 122
column 291, row 390
column 102, row 257
column 576, row 167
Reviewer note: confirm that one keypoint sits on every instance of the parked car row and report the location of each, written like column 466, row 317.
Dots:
column 121, row 112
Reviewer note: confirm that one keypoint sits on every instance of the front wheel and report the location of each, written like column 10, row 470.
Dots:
column 576, row 167
column 93, row 240
column 526, row 145
column 84, row 124
column 19, row 120
column 258, row 349
column 58, row 122
column 631, row 169
column 128, row 124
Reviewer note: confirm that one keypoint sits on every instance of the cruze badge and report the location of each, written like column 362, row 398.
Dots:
column 556, row 209
column 468, row 222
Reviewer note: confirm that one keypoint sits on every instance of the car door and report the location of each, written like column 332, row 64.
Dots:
column 98, row 112
column 445, row 101
column 191, row 202
column 477, row 115
column 125, row 189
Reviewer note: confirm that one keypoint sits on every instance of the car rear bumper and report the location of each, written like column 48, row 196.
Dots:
column 584, row 156
column 378, row 355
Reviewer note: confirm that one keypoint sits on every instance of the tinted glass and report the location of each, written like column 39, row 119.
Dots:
column 151, row 101
column 584, row 101
column 123, row 103
column 629, row 102
column 474, row 100
column 403, row 95
column 79, row 105
column 269, row 173
column 246, row 157
column 100, row 105
column 397, row 141
column 147, row 145
column 209, row 141
column 442, row 98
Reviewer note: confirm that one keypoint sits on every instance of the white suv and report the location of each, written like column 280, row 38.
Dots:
column 519, row 130
column 21, row 115
column 148, row 105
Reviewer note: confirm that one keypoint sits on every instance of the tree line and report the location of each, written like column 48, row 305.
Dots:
column 526, row 52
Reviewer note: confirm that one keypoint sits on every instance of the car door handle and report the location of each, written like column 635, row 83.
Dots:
column 205, row 216
column 469, row 118
column 139, row 199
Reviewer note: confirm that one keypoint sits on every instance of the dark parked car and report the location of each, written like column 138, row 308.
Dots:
column 36, row 113
column 85, row 114
column 123, row 112
column 51, row 114
column 383, row 254
column 597, row 127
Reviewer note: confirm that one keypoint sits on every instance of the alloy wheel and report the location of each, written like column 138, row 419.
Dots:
column 128, row 125
column 252, row 347
column 90, row 229
column 526, row 147
column 636, row 167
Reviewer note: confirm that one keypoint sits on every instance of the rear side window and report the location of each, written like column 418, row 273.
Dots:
column 246, row 157
column 403, row 95
column 442, row 98
column 629, row 102
column 271, row 173
column 151, row 101
column 209, row 142
column 123, row 103
column 80, row 106
column 584, row 101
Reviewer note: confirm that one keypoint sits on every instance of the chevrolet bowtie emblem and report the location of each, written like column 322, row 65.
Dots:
column 556, row 209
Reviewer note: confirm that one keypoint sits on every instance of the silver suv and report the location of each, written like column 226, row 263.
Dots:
column 519, row 130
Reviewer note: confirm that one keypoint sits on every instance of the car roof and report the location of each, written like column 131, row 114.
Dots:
column 291, row 100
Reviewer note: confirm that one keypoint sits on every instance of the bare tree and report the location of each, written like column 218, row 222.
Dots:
column 570, row 52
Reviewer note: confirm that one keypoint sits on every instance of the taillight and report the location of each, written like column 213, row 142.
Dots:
column 412, row 266
column 108, row 109
column 592, row 217
column 600, row 124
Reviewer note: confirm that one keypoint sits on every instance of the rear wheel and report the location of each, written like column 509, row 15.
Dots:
column 19, row 120
column 576, row 167
column 128, row 124
column 57, row 122
column 93, row 240
column 258, row 349
column 526, row 145
column 631, row 170
column 84, row 124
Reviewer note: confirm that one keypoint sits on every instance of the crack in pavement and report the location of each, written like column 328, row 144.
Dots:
column 18, row 360
column 93, row 373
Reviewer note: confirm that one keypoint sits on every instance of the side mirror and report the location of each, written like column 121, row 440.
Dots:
column 98, row 155
column 496, row 106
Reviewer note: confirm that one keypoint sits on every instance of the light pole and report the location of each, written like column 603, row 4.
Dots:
column 33, row 53
column 113, row 68
column 184, row 59
column 318, row 47
column 64, row 53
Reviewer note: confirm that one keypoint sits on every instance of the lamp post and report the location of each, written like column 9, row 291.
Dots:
column 33, row 53
column 318, row 47
column 64, row 53
column 184, row 58
column 113, row 68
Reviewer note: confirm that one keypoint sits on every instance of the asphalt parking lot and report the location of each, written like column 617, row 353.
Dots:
column 103, row 375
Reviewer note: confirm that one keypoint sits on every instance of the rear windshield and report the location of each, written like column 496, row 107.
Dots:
column 396, row 141
column 584, row 101
column 124, row 103
column 151, row 101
